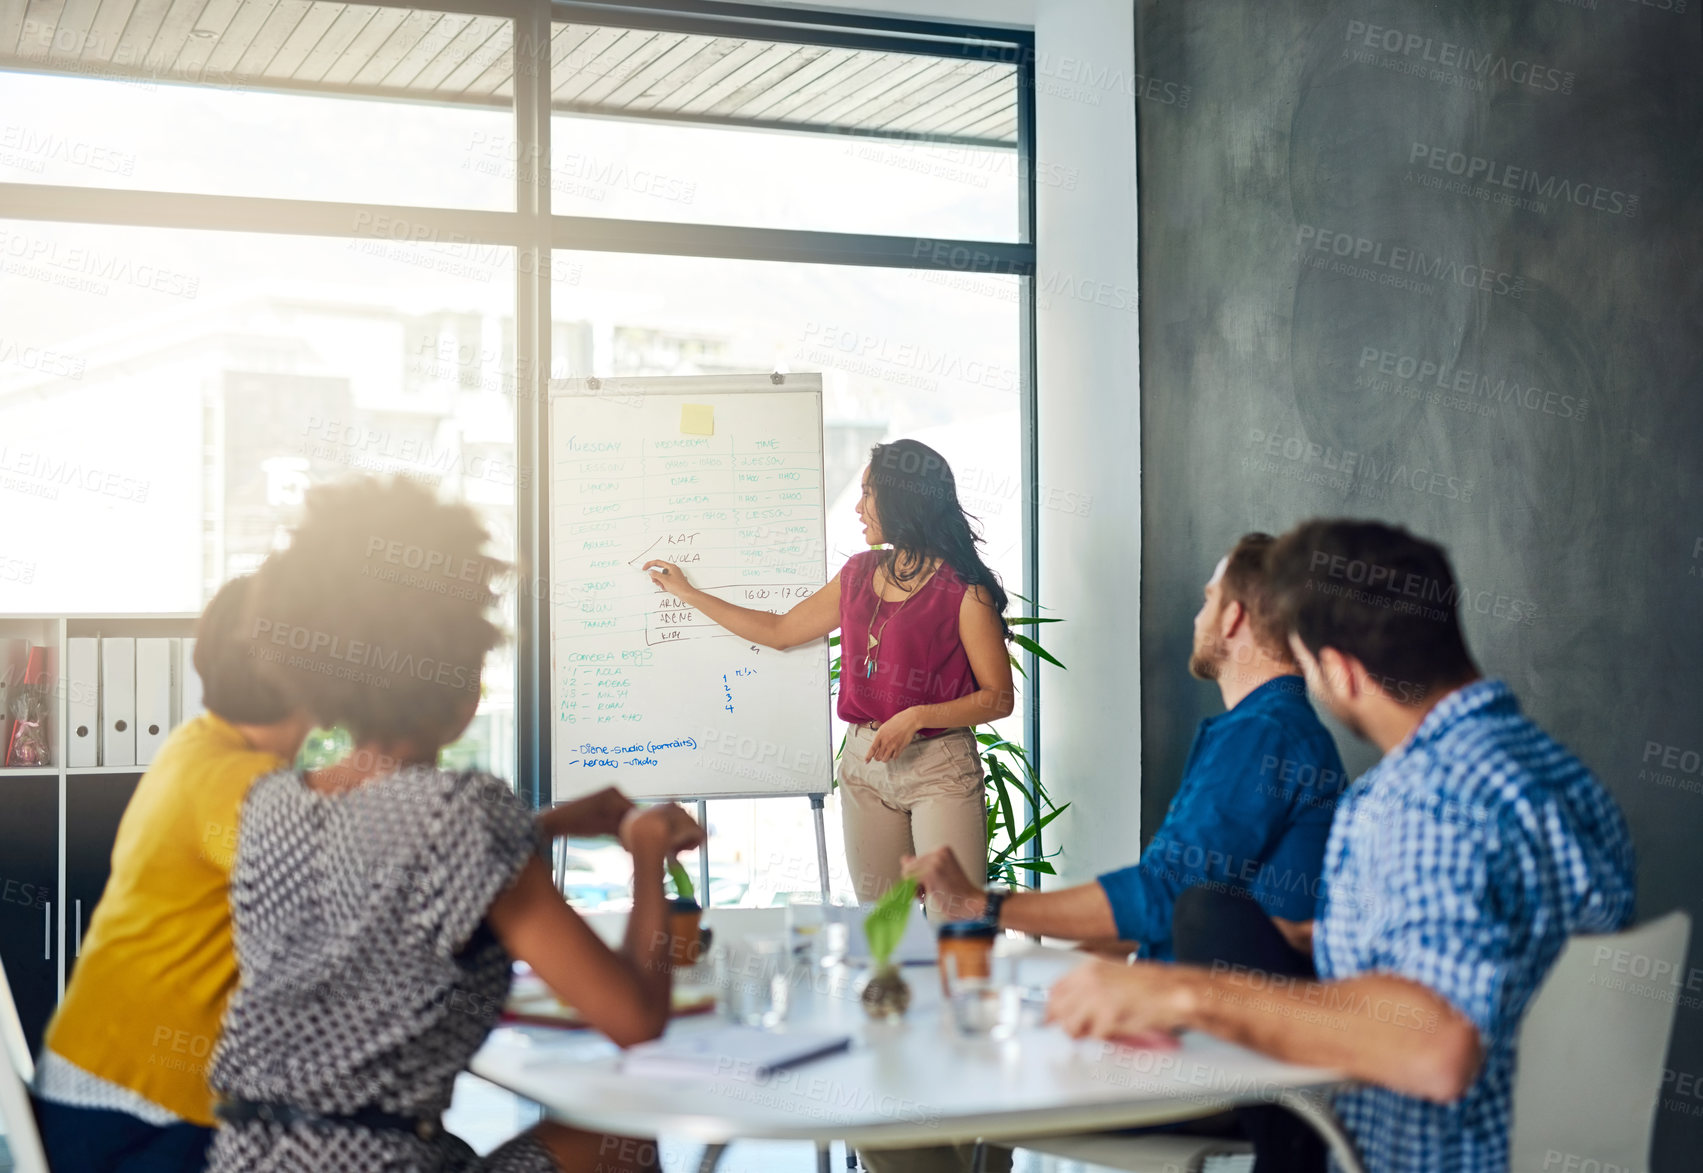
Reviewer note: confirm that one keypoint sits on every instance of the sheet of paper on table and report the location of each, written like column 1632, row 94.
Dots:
column 741, row 1051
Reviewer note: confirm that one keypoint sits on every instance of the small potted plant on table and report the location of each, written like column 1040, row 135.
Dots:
column 688, row 939
column 885, row 995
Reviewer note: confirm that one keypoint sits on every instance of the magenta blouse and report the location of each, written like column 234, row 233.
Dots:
column 920, row 660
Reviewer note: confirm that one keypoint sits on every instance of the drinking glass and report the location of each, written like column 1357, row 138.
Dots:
column 987, row 1007
column 806, row 914
column 841, row 919
column 819, row 931
column 754, row 977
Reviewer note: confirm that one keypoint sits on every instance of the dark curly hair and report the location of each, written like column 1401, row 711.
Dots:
column 375, row 616
column 916, row 502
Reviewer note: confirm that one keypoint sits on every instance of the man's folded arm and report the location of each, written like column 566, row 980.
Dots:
column 1379, row 1027
column 1432, row 990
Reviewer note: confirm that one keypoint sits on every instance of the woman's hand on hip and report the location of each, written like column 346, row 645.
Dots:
column 669, row 577
column 895, row 734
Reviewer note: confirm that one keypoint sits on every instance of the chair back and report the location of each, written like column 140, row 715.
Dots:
column 18, row 1118
column 1593, row 1047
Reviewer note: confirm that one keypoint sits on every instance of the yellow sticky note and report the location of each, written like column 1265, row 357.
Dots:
column 697, row 419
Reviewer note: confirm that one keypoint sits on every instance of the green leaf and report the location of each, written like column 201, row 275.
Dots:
column 1015, row 620
column 682, row 878
column 1005, row 856
column 885, row 924
column 1028, row 644
column 1029, row 832
column 1005, row 808
column 1035, row 827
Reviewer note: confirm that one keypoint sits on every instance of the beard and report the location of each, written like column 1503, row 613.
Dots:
column 1206, row 660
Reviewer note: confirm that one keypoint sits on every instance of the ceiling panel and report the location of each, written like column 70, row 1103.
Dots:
column 328, row 46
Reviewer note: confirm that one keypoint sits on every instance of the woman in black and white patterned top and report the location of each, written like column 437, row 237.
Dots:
column 377, row 903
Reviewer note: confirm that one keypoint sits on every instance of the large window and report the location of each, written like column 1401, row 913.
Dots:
column 256, row 99
column 258, row 246
column 661, row 125
column 901, row 354
column 172, row 392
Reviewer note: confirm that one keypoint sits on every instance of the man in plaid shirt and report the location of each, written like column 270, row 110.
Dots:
column 1456, row 869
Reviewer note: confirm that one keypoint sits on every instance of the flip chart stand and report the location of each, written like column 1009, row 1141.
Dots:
column 816, row 811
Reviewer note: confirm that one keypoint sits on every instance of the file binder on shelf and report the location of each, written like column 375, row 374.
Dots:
column 156, row 681
column 188, row 682
column 82, row 701
column 118, row 701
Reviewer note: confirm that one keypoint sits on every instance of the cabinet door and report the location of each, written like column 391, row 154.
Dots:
column 29, row 907
column 93, row 805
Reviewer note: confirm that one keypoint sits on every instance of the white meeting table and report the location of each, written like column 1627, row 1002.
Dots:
column 912, row 1083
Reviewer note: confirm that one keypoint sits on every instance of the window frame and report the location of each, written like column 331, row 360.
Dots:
column 535, row 232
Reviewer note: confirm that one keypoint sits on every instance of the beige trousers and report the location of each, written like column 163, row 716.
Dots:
column 929, row 795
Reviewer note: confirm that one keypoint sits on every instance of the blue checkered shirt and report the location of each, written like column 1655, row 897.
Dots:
column 1462, row 861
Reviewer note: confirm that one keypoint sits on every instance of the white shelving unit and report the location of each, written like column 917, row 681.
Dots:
column 56, row 836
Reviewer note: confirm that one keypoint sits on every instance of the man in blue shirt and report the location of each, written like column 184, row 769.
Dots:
column 1253, row 810
column 1457, row 868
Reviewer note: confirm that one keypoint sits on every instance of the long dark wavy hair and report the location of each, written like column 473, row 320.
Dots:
column 916, row 502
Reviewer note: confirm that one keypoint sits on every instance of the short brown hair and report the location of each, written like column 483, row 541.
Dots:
column 232, row 685
column 374, row 617
column 1245, row 582
column 1378, row 593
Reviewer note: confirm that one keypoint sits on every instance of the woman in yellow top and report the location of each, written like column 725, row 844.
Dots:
column 122, row 1082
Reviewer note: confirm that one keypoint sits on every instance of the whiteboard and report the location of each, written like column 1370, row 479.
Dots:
column 649, row 694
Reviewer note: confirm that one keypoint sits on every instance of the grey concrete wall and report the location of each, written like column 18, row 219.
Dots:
column 1441, row 263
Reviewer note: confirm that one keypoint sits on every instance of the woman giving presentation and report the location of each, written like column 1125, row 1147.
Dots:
column 922, row 659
